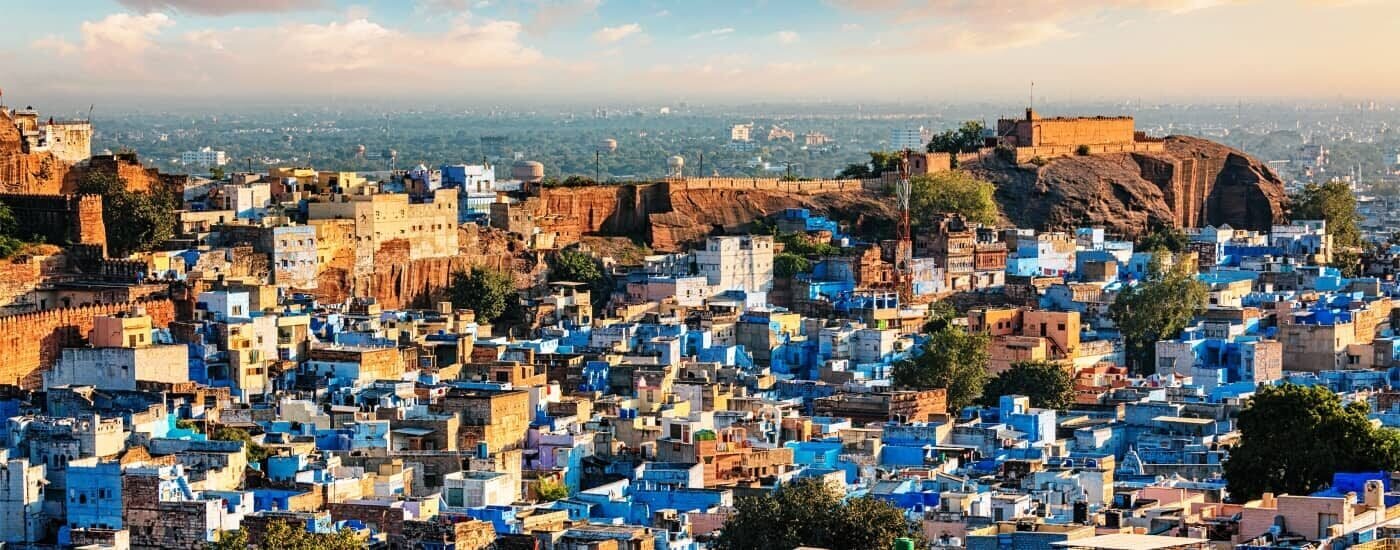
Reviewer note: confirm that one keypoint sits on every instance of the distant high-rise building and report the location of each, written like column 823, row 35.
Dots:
column 915, row 138
column 205, row 156
column 741, row 132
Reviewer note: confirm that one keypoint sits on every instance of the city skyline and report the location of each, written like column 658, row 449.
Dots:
column 145, row 52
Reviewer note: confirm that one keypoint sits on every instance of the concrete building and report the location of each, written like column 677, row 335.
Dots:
column 737, row 263
column 206, row 157
column 914, row 138
column 21, row 500
column 391, row 227
column 471, row 489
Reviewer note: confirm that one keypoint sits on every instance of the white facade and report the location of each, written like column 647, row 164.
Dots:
column 248, row 201
column 740, row 132
column 737, row 263
column 471, row 489
column 909, row 138
column 120, row 368
column 21, row 500
column 205, row 156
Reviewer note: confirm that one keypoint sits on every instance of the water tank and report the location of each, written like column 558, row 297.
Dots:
column 675, row 166
column 527, row 171
column 903, row 543
column 607, row 145
column 360, row 150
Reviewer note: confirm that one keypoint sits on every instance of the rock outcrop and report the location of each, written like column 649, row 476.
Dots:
column 1193, row 183
column 23, row 172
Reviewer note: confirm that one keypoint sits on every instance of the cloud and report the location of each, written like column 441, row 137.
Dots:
column 787, row 37
column 553, row 14
column 852, row 27
column 945, row 25
column 222, row 7
column 608, row 35
column 713, row 33
column 124, row 51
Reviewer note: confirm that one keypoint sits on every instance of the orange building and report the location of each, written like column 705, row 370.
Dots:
column 1026, row 335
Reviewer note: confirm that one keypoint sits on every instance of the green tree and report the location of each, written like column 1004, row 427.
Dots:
column 880, row 162
column 1293, row 438
column 951, row 358
column 135, row 222
column 488, row 292
column 10, row 243
column 1336, row 204
column 549, row 490
column 1047, row 384
column 1164, row 237
column 966, row 138
column 1157, row 309
column 256, row 453
column 803, row 244
column 1348, row 261
column 284, row 535
column 217, row 173
column 787, row 264
column 574, row 266
column 808, row 512
column 956, row 192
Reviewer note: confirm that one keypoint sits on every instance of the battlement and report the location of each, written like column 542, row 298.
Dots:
column 32, row 342
column 805, row 187
column 59, row 219
column 1037, row 131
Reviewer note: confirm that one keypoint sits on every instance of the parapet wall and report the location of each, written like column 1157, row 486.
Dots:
column 30, row 343
column 804, row 187
column 59, row 219
column 1026, row 154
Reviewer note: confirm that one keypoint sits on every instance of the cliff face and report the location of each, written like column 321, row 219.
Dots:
column 401, row 283
column 21, row 172
column 1193, row 183
column 669, row 219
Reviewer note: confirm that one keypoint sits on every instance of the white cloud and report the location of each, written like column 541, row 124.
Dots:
column 852, row 27
column 116, row 42
column 222, row 7
column 553, row 14
column 713, row 33
column 608, row 35
column 787, row 37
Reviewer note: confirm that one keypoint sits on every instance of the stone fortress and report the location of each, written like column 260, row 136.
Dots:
column 1035, row 136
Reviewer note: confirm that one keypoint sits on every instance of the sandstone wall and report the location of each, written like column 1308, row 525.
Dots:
column 21, row 275
column 30, row 343
column 59, row 219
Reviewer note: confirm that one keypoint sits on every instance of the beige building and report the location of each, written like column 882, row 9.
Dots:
column 389, row 225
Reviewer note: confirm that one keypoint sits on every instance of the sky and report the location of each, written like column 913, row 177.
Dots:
column 581, row 51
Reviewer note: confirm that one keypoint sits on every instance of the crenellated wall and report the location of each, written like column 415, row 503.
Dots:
column 30, row 343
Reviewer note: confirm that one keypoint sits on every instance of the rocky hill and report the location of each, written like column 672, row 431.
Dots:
column 1193, row 183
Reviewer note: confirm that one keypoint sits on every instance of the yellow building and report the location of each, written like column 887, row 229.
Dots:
column 389, row 227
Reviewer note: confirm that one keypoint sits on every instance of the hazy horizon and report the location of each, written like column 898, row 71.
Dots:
column 554, row 52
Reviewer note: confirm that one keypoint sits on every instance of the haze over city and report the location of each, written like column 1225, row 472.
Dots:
column 564, row 51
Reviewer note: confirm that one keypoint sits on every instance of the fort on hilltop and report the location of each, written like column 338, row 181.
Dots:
column 1036, row 136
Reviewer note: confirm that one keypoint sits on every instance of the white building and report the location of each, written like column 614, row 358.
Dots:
column 472, row 489
column 915, row 138
column 737, row 263
column 205, row 156
column 21, row 500
column 741, row 132
column 248, row 201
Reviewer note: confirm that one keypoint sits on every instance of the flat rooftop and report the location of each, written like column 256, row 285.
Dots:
column 1128, row 541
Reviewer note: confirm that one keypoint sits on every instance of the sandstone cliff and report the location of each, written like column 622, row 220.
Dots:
column 21, row 172
column 1193, row 183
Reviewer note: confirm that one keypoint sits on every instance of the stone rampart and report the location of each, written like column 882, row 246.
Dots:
column 30, row 343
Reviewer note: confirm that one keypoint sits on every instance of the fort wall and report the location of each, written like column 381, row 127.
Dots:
column 59, row 219
column 30, row 343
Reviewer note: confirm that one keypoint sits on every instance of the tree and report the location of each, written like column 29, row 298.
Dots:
column 807, row 512
column 964, row 139
column 488, row 292
column 256, row 453
column 549, row 490
column 1047, row 384
column 1347, row 261
column 575, row 266
column 787, row 264
column 285, row 535
column 1156, row 309
column 1164, row 237
column 1293, row 438
column 135, row 222
column 217, row 173
column 951, row 358
column 10, row 243
column 1334, row 203
column 880, row 162
column 803, row 244
column 955, row 192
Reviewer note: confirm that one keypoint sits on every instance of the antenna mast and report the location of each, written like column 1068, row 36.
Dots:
column 904, row 246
